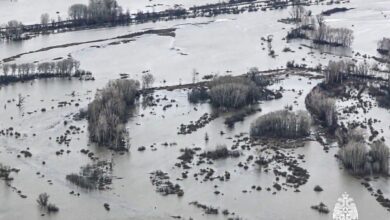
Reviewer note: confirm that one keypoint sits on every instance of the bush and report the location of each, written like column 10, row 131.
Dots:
column 94, row 176
column 232, row 92
column 107, row 113
column 221, row 152
column 360, row 159
column 43, row 199
column 198, row 94
column 52, row 208
column 353, row 156
column 384, row 46
column 281, row 123
column 323, row 107
column 5, row 171
column 379, row 154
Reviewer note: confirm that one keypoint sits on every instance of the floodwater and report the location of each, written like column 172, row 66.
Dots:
column 29, row 11
column 209, row 45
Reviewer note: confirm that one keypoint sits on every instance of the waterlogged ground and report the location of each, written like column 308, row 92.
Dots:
column 133, row 195
column 211, row 46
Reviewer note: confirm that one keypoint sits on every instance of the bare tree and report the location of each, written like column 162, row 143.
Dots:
column 45, row 18
column 297, row 12
column 78, row 11
column 6, row 68
column 147, row 80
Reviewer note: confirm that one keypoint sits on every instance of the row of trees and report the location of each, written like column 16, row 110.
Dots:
column 97, row 11
column 333, row 36
column 337, row 71
column 108, row 112
column 14, row 30
column 320, row 32
column 283, row 124
column 24, row 71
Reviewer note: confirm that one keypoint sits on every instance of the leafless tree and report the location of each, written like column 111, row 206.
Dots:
column 45, row 18
column 147, row 80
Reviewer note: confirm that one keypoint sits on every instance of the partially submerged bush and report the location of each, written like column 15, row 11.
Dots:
column 43, row 199
column 283, row 124
column 52, row 208
column 221, row 152
column 384, row 46
column 232, row 92
column 198, row 94
column 43, row 202
column 5, row 172
column 362, row 159
column 108, row 112
column 353, row 156
column 323, row 107
column 95, row 176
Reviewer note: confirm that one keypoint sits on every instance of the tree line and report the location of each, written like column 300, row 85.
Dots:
column 314, row 28
column 109, row 12
column 27, row 71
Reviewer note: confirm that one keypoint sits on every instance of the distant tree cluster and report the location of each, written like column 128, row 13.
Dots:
column 282, row 124
column 25, row 71
column 337, row 71
column 108, row 112
column 323, row 107
column 384, row 46
column 97, row 11
column 362, row 159
column 232, row 92
column 319, row 31
column 333, row 36
column 14, row 30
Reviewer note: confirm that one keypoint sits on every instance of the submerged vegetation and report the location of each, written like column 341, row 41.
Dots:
column 91, row 177
column 283, row 124
column 360, row 158
column 323, row 107
column 384, row 46
column 108, row 112
column 314, row 28
column 233, row 92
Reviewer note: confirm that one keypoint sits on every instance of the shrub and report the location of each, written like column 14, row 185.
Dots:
column 221, row 152
column 5, row 171
column 379, row 154
column 94, row 176
column 52, row 208
column 232, row 92
column 360, row 159
column 107, row 113
column 353, row 156
column 198, row 94
column 283, row 124
column 147, row 80
column 323, row 107
column 384, row 46
column 43, row 199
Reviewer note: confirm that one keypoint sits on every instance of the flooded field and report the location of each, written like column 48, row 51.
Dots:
column 236, row 187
